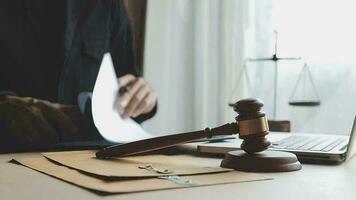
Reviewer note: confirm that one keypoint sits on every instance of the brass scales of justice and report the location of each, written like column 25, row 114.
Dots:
column 304, row 76
column 252, row 127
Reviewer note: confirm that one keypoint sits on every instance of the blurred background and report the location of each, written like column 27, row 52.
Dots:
column 196, row 58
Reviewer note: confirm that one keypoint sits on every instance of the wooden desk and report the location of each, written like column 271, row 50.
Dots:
column 312, row 182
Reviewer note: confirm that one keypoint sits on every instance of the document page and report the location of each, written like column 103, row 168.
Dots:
column 106, row 110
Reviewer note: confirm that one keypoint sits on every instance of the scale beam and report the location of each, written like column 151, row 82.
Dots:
column 274, row 59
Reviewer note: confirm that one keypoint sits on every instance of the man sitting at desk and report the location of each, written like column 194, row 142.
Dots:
column 50, row 51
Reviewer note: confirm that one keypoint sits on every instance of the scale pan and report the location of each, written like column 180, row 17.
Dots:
column 304, row 103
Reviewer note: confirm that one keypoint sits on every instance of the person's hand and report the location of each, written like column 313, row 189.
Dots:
column 36, row 123
column 138, row 99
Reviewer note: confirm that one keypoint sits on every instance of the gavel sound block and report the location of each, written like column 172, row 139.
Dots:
column 254, row 156
column 252, row 127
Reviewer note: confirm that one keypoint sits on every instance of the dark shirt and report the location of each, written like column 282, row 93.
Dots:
column 48, row 15
column 52, row 49
column 49, row 36
column 31, row 47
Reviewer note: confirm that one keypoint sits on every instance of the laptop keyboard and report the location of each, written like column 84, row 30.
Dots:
column 309, row 143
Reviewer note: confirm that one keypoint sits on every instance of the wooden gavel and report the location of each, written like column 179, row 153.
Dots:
column 251, row 126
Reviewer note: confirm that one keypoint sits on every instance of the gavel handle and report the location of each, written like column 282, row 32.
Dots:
column 165, row 141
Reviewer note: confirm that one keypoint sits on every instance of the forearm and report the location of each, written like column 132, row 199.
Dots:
column 7, row 143
column 3, row 94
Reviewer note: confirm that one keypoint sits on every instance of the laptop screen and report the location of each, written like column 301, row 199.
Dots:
column 351, row 148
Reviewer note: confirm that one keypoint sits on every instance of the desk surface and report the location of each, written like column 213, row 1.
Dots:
column 312, row 182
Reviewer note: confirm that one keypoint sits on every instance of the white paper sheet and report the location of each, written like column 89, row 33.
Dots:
column 105, row 109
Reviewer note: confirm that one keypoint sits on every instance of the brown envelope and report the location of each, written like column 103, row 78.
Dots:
column 41, row 164
column 133, row 166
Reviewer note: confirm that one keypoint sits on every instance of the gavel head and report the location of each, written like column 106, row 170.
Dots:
column 253, row 125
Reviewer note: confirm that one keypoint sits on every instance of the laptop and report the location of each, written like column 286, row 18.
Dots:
column 307, row 146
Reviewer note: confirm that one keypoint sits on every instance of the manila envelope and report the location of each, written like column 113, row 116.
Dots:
column 133, row 166
column 41, row 164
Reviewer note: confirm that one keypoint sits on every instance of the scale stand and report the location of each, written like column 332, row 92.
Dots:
column 276, row 125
